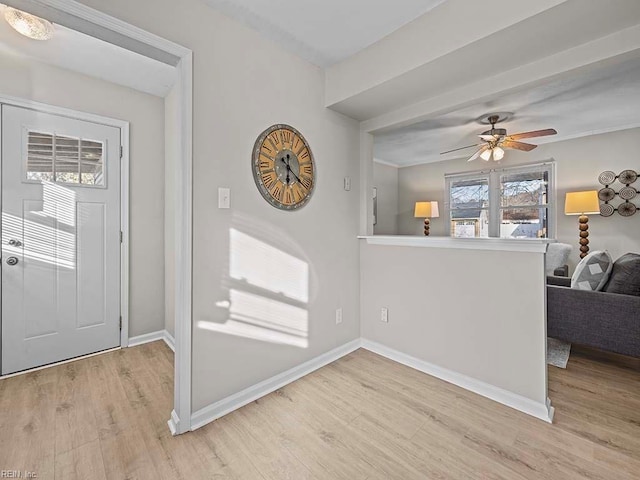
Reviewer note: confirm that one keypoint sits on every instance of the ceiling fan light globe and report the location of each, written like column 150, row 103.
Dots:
column 498, row 153
column 486, row 155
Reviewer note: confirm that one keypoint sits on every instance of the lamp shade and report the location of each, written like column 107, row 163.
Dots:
column 581, row 203
column 434, row 210
column 422, row 210
column 426, row 210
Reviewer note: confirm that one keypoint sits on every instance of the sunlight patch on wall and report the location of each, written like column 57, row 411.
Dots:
column 260, row 318
column 268, row 294
column 267, row 267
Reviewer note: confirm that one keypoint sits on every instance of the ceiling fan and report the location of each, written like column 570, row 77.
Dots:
column 495, row 140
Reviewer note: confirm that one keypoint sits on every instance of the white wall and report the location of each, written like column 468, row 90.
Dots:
column 242, row 85
column 469, row 311
column 385, row 179
column 43, row 83
column 578, row 164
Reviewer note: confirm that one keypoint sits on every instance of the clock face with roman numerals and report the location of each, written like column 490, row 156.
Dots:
column 283, row 167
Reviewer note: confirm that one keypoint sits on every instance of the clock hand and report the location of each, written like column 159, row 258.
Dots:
column 289, row 170
column 297, row 178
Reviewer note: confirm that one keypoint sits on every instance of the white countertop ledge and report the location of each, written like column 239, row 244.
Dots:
column 499, row 244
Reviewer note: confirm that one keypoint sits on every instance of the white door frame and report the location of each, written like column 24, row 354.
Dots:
column 124, row 188
column 79, row 17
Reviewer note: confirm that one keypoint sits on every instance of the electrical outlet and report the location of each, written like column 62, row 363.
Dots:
column 384, row 315
column 338, row 316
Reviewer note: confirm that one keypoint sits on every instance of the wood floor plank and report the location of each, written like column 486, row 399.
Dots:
column 363, row 417
column 121, row 442
column 81, row 463
column 271, row 458
column 75, row 424
column 27, row 419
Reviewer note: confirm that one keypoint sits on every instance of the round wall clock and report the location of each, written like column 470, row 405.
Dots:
column 283, row 167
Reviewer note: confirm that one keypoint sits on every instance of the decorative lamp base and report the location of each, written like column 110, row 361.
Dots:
column 583, row 222
column 426, row 226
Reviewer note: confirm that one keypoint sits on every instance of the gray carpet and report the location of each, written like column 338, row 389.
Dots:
column 558, row 352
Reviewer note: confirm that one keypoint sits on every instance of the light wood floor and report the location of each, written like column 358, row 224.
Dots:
column 362, row 417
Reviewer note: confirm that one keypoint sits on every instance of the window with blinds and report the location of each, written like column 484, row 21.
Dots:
column 61, row 159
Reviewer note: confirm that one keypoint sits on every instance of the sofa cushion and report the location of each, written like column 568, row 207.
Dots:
column 625, row 276
column 557, row 256
column 593, row 271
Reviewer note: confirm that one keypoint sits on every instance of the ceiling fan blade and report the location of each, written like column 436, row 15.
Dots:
column 477, row 154
column 535, row 133
column 525, row 147
column 461, row 148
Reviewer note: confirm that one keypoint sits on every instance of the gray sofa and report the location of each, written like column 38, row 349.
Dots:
column 604, row 320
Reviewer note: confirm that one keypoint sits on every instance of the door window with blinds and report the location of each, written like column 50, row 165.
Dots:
column 64, row 159
column 515, row 202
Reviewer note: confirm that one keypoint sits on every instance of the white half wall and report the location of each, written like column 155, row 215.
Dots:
column 36, row 81
column 478, row 313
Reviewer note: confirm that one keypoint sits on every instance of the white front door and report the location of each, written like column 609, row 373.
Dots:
column 60, row 238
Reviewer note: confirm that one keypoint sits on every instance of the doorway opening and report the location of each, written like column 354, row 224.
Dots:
column 112, row 52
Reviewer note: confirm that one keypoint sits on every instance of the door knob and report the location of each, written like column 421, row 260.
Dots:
column 12, row 261
column 15, row 243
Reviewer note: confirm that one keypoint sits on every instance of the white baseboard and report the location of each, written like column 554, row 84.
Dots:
column 173, row 423
column 226, row 405
column 169, row 340
column 543, row 411
column 153, row 337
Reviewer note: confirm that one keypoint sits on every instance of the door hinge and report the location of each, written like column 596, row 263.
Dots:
column 120, row 322
column 121, row 151
column 121, row 236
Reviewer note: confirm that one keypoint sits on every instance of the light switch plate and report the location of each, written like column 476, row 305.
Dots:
column 224, row 197
column 347, row 183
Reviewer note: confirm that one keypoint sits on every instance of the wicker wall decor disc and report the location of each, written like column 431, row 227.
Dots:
column 627, row 177
column 607, row 178
column 606, row 194
column 627, row 193
column 626, row 209
column 606, row 210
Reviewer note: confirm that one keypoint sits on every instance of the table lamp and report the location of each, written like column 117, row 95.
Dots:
column 582, row 203
column 426, row 210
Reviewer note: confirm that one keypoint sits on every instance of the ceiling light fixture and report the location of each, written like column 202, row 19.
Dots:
column 28, row 25
column 498, row 153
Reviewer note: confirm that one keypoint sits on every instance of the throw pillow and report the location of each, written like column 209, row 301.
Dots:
column 593, row 271
column 557, row 256
column 625, row 276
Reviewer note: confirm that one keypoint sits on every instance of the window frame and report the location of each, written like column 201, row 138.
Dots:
column 495, row 194
column 481, row 176
column 27, row 130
